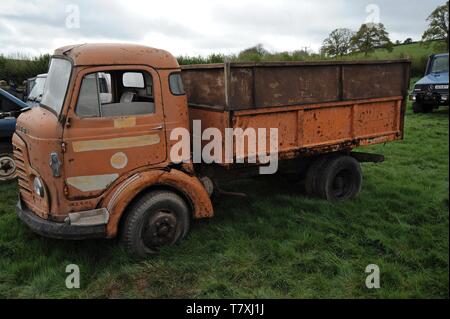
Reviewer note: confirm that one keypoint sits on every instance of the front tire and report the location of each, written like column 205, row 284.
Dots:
column 421, row 108
column 159, row 218
column 340, row 179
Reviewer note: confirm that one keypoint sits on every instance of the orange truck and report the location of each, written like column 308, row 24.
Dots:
column 94, row 158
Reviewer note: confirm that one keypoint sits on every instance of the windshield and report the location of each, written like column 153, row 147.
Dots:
column 38, row 90
column 57, row 82
column 440, row 64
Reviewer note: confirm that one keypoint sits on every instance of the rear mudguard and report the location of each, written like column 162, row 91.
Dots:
column 123, row 194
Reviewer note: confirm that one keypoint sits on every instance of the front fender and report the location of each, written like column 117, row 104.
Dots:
column 121, row 196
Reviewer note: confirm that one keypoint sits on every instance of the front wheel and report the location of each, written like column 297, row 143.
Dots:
column 7, row 164
column 340, row 179
column 159, row 218
column 421, row 108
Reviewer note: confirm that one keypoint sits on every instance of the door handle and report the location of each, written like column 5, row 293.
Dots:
column 157, row 128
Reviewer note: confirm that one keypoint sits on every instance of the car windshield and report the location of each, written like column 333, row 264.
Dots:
column 38, row 89
column 57, row 82
column 440, row 64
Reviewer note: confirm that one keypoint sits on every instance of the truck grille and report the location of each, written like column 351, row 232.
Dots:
column 37, row 204
column 23, row 181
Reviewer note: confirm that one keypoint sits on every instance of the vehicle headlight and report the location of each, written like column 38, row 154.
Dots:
column 38, row 186
column 441, row 86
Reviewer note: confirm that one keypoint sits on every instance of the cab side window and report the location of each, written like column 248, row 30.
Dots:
column 116, row 93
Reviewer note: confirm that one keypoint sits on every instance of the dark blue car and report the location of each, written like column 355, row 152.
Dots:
column 10, row 108
column 431, row 91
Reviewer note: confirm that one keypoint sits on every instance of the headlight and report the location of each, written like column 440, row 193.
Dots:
column 38, row 186
column 441, row 87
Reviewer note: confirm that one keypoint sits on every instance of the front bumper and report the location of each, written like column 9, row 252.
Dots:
column 435, row 98
column 57, row 230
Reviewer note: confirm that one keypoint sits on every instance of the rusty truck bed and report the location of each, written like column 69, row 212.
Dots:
column 316, row 106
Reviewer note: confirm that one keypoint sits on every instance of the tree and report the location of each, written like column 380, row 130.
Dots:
column 408, row 41
column 438, row 25
column 371, row 36
column 257, row 50
column 18, row 70
column 338, row 42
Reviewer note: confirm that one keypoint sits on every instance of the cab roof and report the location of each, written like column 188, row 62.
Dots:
column 117, row 54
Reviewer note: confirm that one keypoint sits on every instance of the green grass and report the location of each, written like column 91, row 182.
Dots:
column 418, row 53
column 274, row 243
column 413, row 50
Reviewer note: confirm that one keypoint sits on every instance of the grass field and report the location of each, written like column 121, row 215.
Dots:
column 274, row 243
column 412, row 50
column 418, row 53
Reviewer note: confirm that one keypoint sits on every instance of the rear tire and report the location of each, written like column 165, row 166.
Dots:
column 159, row 218
column 340, row 179
column 312, row 175
column 7, row 164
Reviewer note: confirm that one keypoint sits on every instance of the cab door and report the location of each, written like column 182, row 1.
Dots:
column 115, row 125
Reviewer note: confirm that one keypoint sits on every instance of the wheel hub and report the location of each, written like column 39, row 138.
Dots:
column 161, row 229
column 341, row 183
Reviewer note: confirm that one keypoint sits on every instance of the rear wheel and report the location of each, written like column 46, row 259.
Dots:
column 340, row 179
column 159, row 218
column 7, row 164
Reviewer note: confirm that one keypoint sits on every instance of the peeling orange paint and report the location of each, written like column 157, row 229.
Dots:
column 115, row 143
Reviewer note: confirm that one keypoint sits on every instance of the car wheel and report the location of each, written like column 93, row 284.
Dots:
column 417, row 107
column 427, row 108
column 7, row 164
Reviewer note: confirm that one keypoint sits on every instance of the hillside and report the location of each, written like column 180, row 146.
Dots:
column 417, row 52
column 412, row 50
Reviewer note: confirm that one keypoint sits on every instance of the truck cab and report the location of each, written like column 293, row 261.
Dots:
column 431, row 91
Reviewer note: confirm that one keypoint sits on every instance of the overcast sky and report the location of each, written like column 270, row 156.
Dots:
column 199, row 27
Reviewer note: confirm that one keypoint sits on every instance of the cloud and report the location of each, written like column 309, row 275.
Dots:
column 199, row 27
